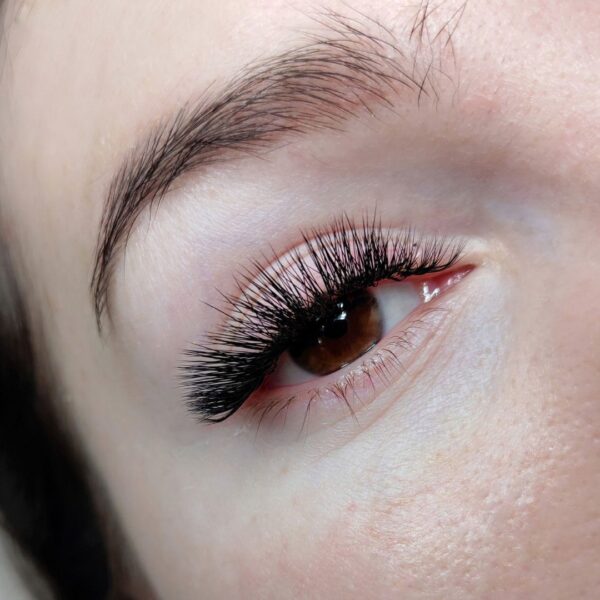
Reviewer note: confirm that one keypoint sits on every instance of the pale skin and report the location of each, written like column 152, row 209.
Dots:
column 476, row 473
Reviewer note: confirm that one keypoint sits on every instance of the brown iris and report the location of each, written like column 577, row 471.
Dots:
column 347, row 332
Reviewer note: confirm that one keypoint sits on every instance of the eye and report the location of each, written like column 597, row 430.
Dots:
column 317, row 310
column 354, row 325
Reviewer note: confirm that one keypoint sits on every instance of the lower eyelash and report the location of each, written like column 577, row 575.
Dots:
column 274, row 305
column 378, row 368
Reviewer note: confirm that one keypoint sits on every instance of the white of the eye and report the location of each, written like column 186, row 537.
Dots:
column 395, row 300
column 289, row 373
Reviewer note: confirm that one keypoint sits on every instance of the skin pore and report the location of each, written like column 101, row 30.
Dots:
column 473, row 472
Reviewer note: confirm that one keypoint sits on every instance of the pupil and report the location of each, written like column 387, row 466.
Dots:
column 338, row 326
column 352, row 329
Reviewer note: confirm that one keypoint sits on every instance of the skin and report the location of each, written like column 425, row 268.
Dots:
column 475, row 474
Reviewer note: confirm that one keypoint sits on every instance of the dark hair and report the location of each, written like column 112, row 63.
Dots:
column 45, row 499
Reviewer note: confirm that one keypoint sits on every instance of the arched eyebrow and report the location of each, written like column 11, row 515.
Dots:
column 354, row 65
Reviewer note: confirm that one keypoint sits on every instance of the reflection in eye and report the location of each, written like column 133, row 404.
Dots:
column 318, row 305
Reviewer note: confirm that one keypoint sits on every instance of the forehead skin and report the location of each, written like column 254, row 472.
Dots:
column 511, row 511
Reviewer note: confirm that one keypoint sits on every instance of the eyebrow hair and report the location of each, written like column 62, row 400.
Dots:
column 355, row 65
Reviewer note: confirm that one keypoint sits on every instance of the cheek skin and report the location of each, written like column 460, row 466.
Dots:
column 488, row 522
column 459, row 537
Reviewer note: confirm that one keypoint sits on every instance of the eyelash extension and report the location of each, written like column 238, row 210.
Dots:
column 273, row 306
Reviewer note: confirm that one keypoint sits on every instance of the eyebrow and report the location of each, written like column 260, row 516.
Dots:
column 354, row 65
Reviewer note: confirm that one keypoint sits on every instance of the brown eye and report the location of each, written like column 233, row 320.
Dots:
column 348, row 332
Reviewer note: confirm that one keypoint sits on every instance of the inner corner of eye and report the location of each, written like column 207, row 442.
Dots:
column 432, row 286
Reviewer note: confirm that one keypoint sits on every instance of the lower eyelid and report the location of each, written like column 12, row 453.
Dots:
column 304, row 409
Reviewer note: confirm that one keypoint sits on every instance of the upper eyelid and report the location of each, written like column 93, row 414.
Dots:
column 355, row 64
column 298, row 266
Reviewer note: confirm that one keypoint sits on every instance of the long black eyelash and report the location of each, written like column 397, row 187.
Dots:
column 274, row 306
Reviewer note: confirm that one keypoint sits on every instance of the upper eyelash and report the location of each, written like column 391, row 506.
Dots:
column 273, row 306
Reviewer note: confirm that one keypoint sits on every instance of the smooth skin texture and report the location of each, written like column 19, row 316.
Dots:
column 474, row 475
